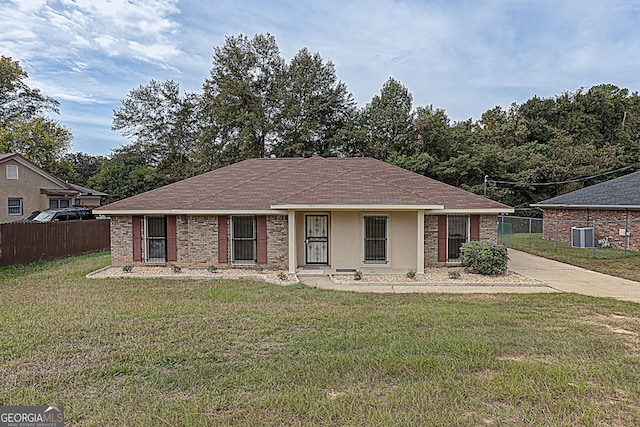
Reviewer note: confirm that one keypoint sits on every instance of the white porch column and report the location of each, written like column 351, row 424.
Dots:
column 292, row 242
column 420, row 264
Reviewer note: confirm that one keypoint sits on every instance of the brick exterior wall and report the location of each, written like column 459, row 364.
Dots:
column 488, row 233
column 430, row 241
column 489, row 228
column 197, row 241
column 278, row 242
column 608, row 224
column 121, row 244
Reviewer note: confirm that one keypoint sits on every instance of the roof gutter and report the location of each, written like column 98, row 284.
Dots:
column 142, row 212
column 362, row 207
column 562, row 206
column 471, row 211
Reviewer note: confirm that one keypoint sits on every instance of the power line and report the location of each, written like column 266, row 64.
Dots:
column 542, row 184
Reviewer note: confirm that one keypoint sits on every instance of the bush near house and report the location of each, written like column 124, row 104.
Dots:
column 484, row 258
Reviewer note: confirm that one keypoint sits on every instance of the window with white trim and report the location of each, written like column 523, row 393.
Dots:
column 457, row 235
column 12, row 171
column 375, row 239
column 244, row 240
column 59, row 203
column 15, row 206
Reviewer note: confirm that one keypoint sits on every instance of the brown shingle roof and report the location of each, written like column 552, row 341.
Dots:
column 258, row 184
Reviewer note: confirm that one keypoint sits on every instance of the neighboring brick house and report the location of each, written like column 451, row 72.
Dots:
column 26, row 187
column 291, row 213
column 612, row 206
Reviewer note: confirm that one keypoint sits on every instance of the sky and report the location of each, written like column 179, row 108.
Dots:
column 464, row 57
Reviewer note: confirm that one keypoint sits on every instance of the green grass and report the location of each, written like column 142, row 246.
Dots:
column 138, row 352
column 607, row 260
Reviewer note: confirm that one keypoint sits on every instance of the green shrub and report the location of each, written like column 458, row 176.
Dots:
column 176, row 269
column 212, row 269
column 487, row 259
column 357, row 275
column 411, row 274
column 127, row 268
column 454, row 274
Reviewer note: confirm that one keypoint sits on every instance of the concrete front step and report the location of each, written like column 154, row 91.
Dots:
column 310, row 272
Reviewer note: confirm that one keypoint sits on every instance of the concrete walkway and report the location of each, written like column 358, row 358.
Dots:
column 554, row 276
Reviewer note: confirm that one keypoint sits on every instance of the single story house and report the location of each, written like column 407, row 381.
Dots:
column 342, row 214
column 26, row 187
column 612, row 206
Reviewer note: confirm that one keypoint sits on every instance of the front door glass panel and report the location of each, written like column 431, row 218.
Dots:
column 317, row 239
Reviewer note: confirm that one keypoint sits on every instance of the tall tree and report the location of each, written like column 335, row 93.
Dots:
column 162, row 122
column 17, row 100
column 315, row 107
column 39, row 139
column 241, row 103
column 25, row 127
column 386, row 123
column 128, row 172
column 82, row 166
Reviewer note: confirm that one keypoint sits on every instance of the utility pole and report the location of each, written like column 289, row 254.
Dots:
column 486, row 178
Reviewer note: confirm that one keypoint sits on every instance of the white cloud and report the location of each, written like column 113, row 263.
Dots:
column 465, row 57
column 110, row 27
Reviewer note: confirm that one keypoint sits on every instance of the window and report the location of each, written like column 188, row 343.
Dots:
column 243, row 239
column 457, row 235
column 59, row 203
column 12, row 171
column 155, row 236
column 15, row 206
column 375, row 239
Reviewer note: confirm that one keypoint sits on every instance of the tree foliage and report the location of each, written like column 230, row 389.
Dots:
column 79, row 167
column 25, row 127
column 315, row 107
column 241, row 97
column 128, row 172
column 162, row 123
column 254, row 104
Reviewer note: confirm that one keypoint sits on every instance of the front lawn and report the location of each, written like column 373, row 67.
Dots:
column 137, row 352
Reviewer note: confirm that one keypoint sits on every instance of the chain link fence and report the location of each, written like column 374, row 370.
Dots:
column 610, row 238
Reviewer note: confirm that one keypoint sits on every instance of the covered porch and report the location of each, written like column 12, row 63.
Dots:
column 371, row 239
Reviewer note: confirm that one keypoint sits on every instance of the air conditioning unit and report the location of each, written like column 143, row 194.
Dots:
column 582, row 237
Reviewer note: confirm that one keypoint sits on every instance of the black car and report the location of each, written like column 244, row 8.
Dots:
column 29, row 217
column 66, row 214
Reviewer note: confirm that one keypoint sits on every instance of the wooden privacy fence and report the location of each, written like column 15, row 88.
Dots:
column 25, row 242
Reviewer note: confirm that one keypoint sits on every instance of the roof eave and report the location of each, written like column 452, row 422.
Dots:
column 569, row 206
column 150, row 212
column 472, row 211
column 355, row 207
column 37, row 169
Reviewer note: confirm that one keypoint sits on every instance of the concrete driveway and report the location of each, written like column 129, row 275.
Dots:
column 568, row 278
column 554, row 277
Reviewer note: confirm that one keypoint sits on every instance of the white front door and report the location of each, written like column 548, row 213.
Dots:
column 317, row 239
